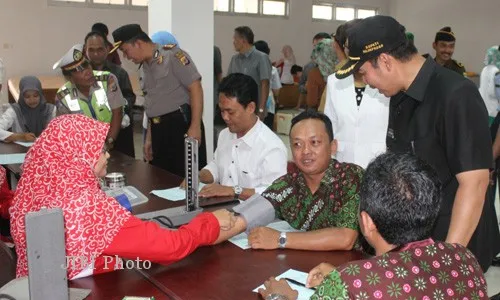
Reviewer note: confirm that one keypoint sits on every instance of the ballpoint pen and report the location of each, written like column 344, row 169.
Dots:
column 297, row 282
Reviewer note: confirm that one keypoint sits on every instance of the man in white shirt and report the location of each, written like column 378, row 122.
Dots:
column 249, row 156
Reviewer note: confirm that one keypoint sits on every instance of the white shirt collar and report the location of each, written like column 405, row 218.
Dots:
column 250, row 137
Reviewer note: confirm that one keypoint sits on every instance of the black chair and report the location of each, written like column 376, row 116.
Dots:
column 8, row 263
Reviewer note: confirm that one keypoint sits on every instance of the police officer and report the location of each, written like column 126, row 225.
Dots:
column 173, row 94
column 92, row 93
column 444, row 45
column 441, row 118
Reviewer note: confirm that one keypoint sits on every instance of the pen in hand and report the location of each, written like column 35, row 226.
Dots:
column 297, row 283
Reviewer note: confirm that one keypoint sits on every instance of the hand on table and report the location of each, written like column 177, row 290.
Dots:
column 216, row 190
column 318, row 273
column 281, row 287
column 263, row 238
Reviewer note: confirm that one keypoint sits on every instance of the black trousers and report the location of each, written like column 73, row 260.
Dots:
column 125, row 140
column 168, row 143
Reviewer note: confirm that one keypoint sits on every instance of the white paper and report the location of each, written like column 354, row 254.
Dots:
column 9, row 159
column 25, row 144
column 241, row 240
column 304, row 293
column 174, row 194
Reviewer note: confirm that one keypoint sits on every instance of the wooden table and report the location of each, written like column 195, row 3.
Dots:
column 118, row 284
column 217, row 272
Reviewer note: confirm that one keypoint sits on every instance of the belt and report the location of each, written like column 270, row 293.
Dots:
column 158, row 119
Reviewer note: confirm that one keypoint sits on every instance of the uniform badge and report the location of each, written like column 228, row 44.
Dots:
column 113, row 87
column 77, row 55
column 160, row 59
column 168, row 46
column 182, row 58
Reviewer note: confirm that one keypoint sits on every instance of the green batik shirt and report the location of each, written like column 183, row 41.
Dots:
column 335, row 203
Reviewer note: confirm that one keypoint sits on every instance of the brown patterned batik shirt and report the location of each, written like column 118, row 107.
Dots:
column 334, row 204
column 424, row 270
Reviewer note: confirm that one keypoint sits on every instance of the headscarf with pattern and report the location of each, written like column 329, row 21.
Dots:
column 325, row 57
column 492, row 57
column 59, row 172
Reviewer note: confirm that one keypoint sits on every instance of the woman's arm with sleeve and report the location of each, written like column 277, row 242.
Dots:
column 148, row 241
column 6, row 121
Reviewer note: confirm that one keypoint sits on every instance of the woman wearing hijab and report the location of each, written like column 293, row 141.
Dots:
column 486, row 81
column 62, row 169
column 359, row 113
column 29, row 116
column 325, row 58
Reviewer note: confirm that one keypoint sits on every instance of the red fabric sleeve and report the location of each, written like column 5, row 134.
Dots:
column 148, row 241
column 6, row 196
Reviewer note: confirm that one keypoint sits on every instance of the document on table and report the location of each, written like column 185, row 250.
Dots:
column 174, row 194
column 8, row 159
column 304, row 293
column 241, row 240
column 25, row 144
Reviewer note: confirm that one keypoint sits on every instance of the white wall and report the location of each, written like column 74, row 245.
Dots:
column 475, row 24
column 33, row 35
column 296, row 31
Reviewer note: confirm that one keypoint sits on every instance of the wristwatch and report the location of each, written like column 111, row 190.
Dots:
column 282, row 240
column 237, row 191
column 274, row 296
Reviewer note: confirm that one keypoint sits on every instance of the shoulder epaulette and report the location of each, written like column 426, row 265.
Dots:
column 168, row 46
column 103, row 77
column 63, row 92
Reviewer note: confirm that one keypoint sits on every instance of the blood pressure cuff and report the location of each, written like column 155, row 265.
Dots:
column 257, row 211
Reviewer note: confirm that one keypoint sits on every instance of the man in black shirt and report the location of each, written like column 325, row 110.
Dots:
column 439, row 116
column 97, row 51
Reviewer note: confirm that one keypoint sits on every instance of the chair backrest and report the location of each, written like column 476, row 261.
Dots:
column 8, row 263
column 288, row 96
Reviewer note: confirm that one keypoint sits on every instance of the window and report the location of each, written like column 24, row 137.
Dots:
column 254, row 7
column 344, row 13
column 322, row 12
column 246, row 6
column 140, row 2
column 221, row 5
column 276, row 8
column 329, row 11
column 365, row 13
column 101, row 3
column 109, row 1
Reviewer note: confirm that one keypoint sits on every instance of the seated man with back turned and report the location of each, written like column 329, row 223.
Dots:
column 249, row 156
column 319, row 196
column 399, row 196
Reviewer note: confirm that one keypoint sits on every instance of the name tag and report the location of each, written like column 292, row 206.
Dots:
column 73, row 104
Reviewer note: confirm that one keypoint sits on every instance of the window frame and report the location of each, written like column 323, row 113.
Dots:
column 322, row 3
column 334, row 5
column 260, row 10
column 127, row 4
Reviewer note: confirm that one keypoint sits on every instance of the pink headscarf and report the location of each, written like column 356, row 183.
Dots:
column 58, row 172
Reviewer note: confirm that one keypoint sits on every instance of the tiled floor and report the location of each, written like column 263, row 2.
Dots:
column 492, row 276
